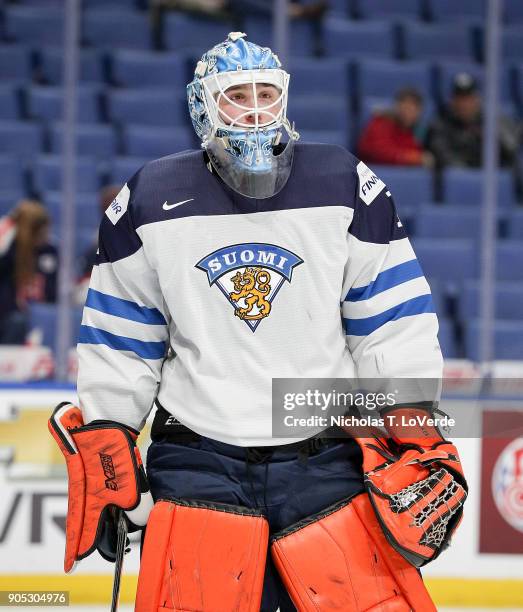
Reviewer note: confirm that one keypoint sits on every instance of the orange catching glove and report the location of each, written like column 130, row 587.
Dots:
column 415, row 482
column 105, row 474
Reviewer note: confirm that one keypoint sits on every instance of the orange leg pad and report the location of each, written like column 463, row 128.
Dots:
column 202, row 557
column 332, row 562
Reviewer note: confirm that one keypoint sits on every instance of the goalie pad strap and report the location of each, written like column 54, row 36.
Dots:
column 203, row 557
column 339, row 559
column 103, row 466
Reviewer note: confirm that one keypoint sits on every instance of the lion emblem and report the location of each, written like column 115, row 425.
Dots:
column 251, row 285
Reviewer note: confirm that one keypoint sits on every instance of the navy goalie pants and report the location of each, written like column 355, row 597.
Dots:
column 286, row 483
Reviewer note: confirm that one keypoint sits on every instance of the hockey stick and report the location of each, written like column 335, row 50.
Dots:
column 120, row 551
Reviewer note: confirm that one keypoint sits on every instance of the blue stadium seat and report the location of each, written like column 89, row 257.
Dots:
column 9, row 102
column 359, row 39
column 336, row 137
column 508, row 340
column 11, row 174
column 34, row 25
column 379, row 9
column 509, row 260
column 96, row 140
column 123, row 4
column 450, row 261
column 195, row 34
column 21, row 138
column 51, row 65
column 310, row 76
column 518, row 87
column 47, row 174
column 153, row 142
column 450, row 10
column 446, row 71
column 15, row 63
column 339, row 8
column 49, row 3
column 46, row 103
column 509, row 109
column 431, row 42
column 123, row 168
column 106, row 28
column 447, row 338
column 319, row 113
column 131, row 68
column 84, row 241
column 515, row 225
column 8, row 200
column 409, row 186
column 88, row 215
column 465, row 186
column 147, row 107
column 406, row 215
column 518, row 73
column 383, row 78
column 512, row 43
column 301, row 41
column 438, row 297
column 513, row 10
column 45, row 318
column 452, row 221
column 508, row 300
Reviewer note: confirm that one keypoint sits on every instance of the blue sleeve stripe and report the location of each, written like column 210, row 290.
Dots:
column 123, row 308
column 146, row 350
column 414, row 306
column 386, row 280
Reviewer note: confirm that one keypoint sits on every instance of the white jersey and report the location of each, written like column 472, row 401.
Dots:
column 201, row 296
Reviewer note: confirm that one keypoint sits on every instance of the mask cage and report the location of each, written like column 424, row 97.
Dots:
column 215, row 88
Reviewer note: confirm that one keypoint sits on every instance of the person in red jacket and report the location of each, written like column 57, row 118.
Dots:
column 390, row 136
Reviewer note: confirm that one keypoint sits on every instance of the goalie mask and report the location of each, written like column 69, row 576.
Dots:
column 238, row 107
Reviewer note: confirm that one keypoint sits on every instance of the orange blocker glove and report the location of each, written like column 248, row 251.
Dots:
column 106, row 476
column 415, row 482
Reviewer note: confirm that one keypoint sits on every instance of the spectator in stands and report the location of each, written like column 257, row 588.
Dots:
column 88, row 259
column 456, row 136
column 393, row 136
column 211, row 8
column 312, row 10
column 28, row 267
column 298, row 9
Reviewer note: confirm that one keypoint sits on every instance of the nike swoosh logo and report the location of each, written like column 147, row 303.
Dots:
column 167, row 206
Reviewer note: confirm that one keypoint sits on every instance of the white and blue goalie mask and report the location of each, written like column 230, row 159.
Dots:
column 238, row 107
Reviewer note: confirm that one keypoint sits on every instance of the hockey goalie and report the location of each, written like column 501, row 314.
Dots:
column 257, row 257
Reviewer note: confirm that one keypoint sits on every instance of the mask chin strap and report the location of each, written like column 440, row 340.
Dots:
column 290, row 129
column 224, row 140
